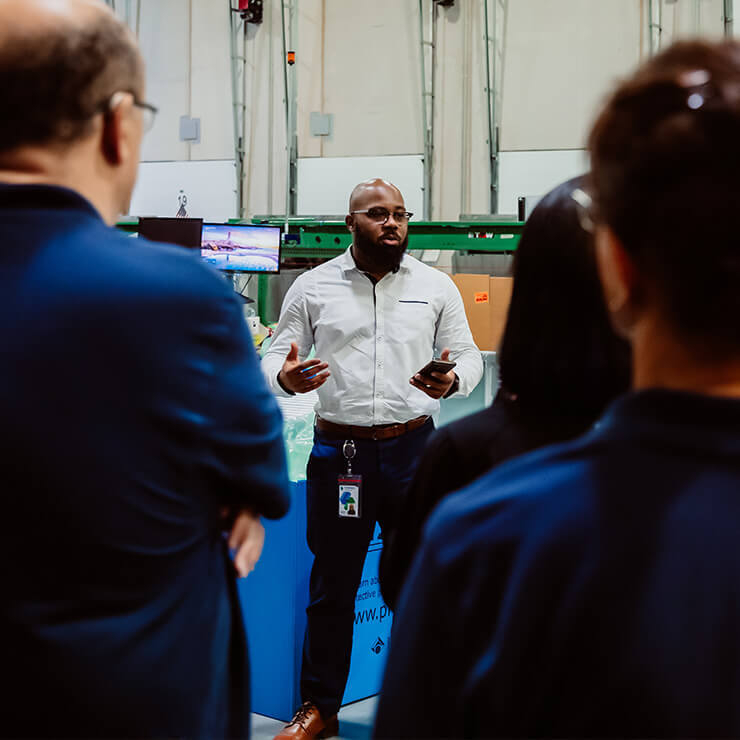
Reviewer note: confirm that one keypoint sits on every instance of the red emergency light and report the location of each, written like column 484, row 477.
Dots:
column 249, row 10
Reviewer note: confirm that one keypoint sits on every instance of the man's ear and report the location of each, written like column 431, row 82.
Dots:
column 620, row 281
column 350, row 222
column 117, row 123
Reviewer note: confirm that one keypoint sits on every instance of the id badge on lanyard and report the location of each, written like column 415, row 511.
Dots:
column 350, row 486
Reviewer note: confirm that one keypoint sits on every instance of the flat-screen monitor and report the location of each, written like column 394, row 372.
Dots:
column 183, row 231
column 242, row 247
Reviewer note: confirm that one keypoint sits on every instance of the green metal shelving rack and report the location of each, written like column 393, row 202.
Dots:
column 313, row 238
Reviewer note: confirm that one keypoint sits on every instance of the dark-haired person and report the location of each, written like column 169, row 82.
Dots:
column 592, row 588
column 375, row 316
column 560, row 364
column 134, row 411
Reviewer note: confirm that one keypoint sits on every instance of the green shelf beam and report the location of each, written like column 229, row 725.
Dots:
column 315, row 238
column 130, row 225
column 312, row 238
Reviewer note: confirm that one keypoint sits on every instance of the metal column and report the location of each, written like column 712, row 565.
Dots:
column 727, row 17
column 428, row 13
column 494, row 49
column 290, row 81
column 655, row 25
column 238, row 32
column 130, row 10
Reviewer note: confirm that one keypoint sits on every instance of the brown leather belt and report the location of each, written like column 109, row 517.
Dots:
column 383, row 431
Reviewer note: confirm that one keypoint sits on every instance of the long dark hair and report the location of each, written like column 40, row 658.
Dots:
column 559, row 354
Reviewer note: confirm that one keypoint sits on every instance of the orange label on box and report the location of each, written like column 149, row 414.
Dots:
column 480, row 297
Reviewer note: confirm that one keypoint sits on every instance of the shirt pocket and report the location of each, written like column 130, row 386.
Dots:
column 414, row 321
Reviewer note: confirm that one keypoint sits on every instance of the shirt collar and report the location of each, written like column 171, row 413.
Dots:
column 675, row 417
column 347, row 262
column 44, row 197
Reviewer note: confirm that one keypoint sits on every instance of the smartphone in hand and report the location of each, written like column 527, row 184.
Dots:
column 437, row 366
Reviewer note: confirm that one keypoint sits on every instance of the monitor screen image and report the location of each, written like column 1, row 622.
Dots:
column 183, row 231
column 242, row 247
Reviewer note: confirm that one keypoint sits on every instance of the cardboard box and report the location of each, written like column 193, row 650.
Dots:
column 500, row 298
column 474, row 290
column 486, row 300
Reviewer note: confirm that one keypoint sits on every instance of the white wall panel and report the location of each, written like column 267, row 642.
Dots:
column 372, row 77
column 561, row 60
column 164, row 43
column 209, row 186
column 211, row 82
column 534, row 173
column 311, row 65
column 324, row 184
column 188, row 73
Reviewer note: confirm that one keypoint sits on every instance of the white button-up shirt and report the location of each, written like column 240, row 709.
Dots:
column 374, row 338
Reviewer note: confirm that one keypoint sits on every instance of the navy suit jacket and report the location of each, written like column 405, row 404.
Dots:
column 588, row 590
column 132, row 408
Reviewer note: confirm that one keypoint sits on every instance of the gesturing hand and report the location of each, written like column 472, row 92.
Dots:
column 302, row 377
column 436, row 384
column 247, row 537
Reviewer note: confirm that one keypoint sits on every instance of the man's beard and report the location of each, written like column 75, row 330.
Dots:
column 378, row 257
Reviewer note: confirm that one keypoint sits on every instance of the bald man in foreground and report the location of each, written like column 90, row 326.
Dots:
column 375, row 316
column 138, row 426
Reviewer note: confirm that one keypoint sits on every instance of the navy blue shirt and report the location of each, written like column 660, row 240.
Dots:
column 588, row 589
column 455, row 456
column 133, row 408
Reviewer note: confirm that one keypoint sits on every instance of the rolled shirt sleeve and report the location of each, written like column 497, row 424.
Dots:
column 454, row 333
column 293, row 326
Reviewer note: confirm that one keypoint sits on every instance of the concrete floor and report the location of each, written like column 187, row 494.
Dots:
column 355, row 722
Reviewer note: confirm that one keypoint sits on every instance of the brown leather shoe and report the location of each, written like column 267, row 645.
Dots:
column 307, row 724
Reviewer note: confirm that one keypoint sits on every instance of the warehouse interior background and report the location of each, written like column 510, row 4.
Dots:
column 359, row 76
column 279, row 107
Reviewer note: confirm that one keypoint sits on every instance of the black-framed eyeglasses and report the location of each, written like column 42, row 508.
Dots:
column 148, row 111
column 381, row 215
column 148, row 114
column 584, row 208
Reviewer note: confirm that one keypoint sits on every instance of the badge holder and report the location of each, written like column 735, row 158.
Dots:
column 350, row 486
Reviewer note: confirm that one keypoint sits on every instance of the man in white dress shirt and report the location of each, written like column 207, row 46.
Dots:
column 375, row 316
